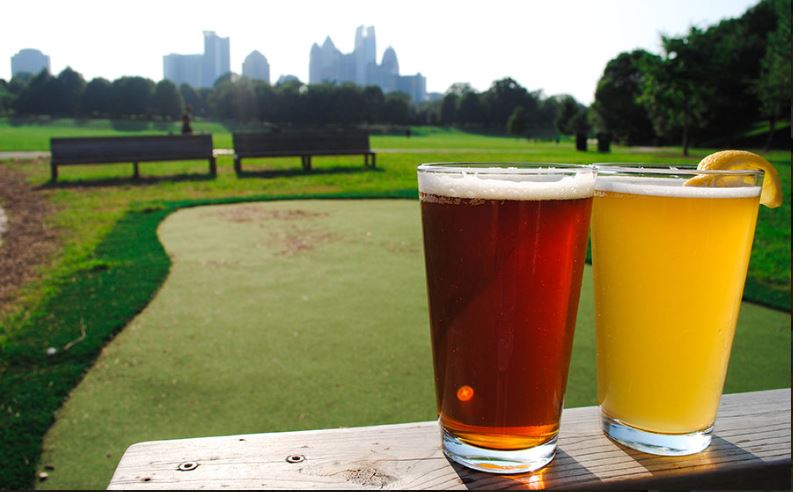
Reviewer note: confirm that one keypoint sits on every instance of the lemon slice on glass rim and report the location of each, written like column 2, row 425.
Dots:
column 733, row 160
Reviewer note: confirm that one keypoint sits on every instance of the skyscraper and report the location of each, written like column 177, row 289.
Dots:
column 365, row 53
column 183, row 69
column 199, row 70
column 29, row 61
column 329, row 65
column 256, row 67
column 216, row 57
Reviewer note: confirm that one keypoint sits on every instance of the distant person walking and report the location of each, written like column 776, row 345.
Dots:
column 186, row 128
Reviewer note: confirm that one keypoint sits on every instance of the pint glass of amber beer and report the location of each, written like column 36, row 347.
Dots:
column 504, row 246
column 669, row 263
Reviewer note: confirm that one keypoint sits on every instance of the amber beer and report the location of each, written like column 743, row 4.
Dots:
column 504, row 251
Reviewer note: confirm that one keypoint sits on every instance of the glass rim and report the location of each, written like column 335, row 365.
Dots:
column 671, row 169
column 506, row 168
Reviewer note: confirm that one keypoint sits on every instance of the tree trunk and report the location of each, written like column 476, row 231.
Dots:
column 772, row 127
column 580, row 142
column 685, row 131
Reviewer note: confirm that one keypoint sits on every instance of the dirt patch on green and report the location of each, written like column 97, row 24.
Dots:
column 28, row 240
column 243, row 214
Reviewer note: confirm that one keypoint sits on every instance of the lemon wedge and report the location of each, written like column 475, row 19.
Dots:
column 731, row 160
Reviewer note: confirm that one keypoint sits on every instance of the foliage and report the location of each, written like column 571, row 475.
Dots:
column 518, row 123
column 571, row 118
column 674, row 93
column 616, row 104
column 167, row 101
column 449, row 109
column 97, row 100
column 773, row 86
column 132, row 96
column 68, row 87
column 704, row 89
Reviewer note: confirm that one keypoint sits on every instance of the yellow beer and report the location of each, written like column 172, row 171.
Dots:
column 669, row 265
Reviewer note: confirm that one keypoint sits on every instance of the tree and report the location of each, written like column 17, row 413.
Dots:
column 397, row 108
column 234, row 100
column 471, row 111
column 196, row 100
column 373, row 104
column 37, row 96
column 97, row 99
column 132, row 96
column 68, row 89
column 568, row 108
column 616, row 104
column 502, row 98
column 348, row 104
column 773, row 86
column 6, row 97
column 518, row 123
column 166, row 100
column 547, row 112
column 673, row 92
column 449, row 109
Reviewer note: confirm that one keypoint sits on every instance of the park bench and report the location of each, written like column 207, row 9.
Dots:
column 750, row 450
column 110, row 150
column 303, row 144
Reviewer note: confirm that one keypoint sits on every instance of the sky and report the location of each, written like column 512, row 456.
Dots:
column 558, row 46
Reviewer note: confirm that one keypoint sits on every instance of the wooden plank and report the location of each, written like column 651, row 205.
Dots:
column 750, row 449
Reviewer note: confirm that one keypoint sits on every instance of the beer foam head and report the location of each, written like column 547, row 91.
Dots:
column 669, row 187
column 497, row 183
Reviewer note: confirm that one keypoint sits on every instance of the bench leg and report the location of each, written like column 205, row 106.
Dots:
column 53, row 172
column 213, row 167
column 135, row 170
column 237, row 164
column 373, row 156
column 306, row 162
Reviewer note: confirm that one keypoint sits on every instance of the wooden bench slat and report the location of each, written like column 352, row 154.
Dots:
column 750, row 448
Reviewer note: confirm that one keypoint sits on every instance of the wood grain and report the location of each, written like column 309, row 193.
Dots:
column 750, row 449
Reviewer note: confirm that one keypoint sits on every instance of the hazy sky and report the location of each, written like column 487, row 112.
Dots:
column 559, row 46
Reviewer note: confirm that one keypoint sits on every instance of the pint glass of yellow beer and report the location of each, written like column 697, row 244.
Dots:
column 669, row 263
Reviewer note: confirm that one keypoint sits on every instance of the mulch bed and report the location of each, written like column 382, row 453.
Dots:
column 28, row 241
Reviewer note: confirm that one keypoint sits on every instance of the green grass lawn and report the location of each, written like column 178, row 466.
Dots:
column 106, row 270
column 297, row 315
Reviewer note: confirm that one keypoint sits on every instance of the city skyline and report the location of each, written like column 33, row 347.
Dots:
column 327, row 64
column 539, row 44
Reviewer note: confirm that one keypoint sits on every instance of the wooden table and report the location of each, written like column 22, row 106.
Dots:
column 750, row 449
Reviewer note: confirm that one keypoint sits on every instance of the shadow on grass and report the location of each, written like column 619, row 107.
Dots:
column 286, row 173
column 126, row 181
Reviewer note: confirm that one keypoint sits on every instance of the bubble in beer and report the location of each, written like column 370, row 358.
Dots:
column 465, row 393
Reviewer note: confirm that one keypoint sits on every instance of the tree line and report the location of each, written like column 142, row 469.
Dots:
column 706, row 87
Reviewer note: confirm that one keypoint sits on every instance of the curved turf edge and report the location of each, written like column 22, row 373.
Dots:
column 85, row 313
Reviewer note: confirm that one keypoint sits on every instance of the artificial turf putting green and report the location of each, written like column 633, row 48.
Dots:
column 298, row 315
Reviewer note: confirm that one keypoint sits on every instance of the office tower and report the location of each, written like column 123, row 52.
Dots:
column 199, row 70
column 183, row 69
column 29, row 61
column 216, row 58
column 256, row 67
